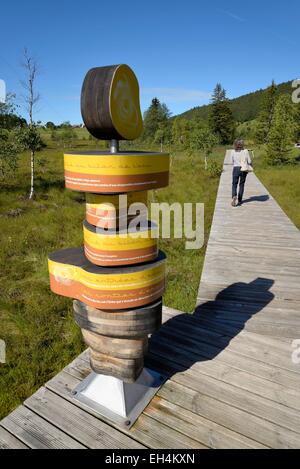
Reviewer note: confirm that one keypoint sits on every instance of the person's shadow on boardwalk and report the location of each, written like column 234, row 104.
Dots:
column 189, row 338
column 256, row 198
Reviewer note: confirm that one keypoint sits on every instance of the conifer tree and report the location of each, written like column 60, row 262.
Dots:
column 265, row 117
column 297, row 112
column 282, row 132
column 154, row 118
column 221, row 119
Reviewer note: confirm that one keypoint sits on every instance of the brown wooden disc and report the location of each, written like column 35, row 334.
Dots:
column 110, row 103
column 126, row 370
column 118, row 348
column 134, row 323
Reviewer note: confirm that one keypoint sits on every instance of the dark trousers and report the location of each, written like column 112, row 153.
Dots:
column 238, row 176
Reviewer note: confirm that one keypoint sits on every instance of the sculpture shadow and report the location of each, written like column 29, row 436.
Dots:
column 186, row 339
column 257, row 198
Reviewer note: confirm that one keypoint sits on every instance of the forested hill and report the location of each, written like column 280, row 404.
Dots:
column 244, row 108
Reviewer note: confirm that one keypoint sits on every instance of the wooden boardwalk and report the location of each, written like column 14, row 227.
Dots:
column 232, row 381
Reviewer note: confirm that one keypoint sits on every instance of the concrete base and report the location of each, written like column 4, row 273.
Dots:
column 120, row 402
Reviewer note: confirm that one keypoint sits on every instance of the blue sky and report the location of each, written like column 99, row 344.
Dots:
column 179, row 50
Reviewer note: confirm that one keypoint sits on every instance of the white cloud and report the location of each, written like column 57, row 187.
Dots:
column 232, row 15
column 269, row 31
column 175, row 95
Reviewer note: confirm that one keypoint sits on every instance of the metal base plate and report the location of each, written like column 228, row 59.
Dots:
column 120, row 402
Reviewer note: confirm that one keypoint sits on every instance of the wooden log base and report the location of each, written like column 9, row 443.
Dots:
column 124, row 369
column 123, row 172
column 72, row 275
column 110, row 103
column 129, row 324
column 118, row 348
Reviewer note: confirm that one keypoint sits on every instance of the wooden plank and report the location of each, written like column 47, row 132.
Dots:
column 247, row 277
column 190, row 336
column 231, row 417
column 198, row 428
column 243, row 310
column 147, row 431
column 191, row 323
column 77, row 423
column 252, row 293
column 36, row 433
column 163, row 436
column 243, row 363
column 266, row 329
column 228, row 374
column 207, row 311
column 8, row 441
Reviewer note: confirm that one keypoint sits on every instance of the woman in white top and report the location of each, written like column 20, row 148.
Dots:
column 239, row 156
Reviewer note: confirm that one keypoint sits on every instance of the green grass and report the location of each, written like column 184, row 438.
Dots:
column 38, row 327
column 283, row 182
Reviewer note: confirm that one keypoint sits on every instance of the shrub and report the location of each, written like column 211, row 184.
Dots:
column 214, row 169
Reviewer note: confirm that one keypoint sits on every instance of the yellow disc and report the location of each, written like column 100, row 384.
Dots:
column 125, row 103
column 123, row 172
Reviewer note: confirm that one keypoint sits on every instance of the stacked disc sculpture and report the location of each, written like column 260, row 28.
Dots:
column 117, row 278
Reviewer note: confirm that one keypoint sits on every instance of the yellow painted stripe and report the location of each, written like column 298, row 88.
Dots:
column 115, row 165
column 109, row 282
column 115, row 242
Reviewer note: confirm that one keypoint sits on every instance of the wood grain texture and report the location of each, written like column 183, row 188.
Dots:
column 118, row 348
column 37, row 433
column 129, row 324
column 110, row 105
column 9, row 441
column 77, row 423
column 121, row 351
column 128, row 370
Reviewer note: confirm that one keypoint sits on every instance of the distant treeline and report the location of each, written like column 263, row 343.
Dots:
column 245, row 108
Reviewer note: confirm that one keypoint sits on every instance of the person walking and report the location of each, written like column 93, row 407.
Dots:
column 241, row 161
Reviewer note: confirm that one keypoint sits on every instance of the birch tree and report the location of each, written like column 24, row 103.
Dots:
column 29, row 136
column 202, row 139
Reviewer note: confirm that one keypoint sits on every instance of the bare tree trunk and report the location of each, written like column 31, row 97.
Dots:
column 31, row 99
column 205, row 162
column 32, row 166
